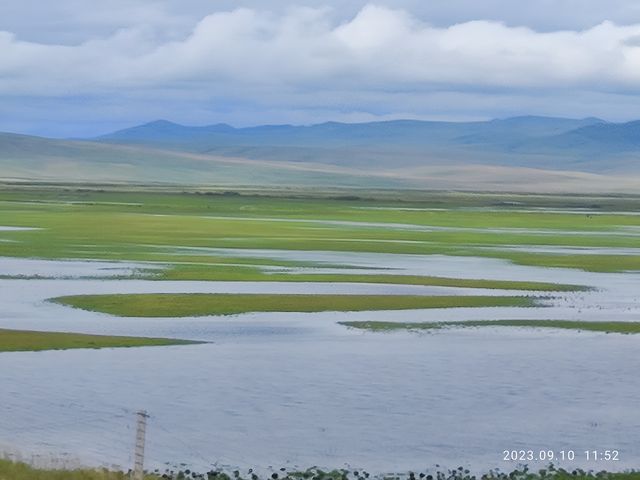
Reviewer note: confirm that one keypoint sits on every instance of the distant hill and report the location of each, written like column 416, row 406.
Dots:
column 528, row 141
column 29, row 158
column 535, row 154
column 607, row 137
column 397, row 133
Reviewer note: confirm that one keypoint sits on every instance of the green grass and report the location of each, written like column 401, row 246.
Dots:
column 23, row 340
column 217, row 272
column 20, row 471
column 193, row 305
column 146, row 226
column 606, row 327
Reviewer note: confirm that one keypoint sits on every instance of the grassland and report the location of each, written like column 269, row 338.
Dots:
column 23, row 340
column 20, row 471
column 148, row 226
column 193, row 305
column 606, row 327
column 189, row 272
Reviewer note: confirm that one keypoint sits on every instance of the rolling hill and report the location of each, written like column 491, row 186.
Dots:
column 529, row 141
column 518, row 154
column 399, row 133
column 28, row 158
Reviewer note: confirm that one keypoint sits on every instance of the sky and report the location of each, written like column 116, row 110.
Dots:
column 73, row 68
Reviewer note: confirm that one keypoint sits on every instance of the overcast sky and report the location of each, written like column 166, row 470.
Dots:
column 78, row 68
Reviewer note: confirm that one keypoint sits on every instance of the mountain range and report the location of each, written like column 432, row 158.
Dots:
column 514, row 153
column 529, row 141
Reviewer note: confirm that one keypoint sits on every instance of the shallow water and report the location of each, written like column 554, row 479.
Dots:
column 422, row 228
column 25, row 267
column 546, row 210
column 566, row 250
column 16, row 229
column 414, row 264
column 310, row 396
column 299, row 389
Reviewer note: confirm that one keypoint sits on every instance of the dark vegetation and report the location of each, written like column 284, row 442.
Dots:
column 18, row 471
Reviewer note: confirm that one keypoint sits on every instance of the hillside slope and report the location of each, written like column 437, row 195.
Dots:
column 531, row 142
column 34, row 159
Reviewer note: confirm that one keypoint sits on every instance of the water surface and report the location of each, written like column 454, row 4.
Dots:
column 300, row 389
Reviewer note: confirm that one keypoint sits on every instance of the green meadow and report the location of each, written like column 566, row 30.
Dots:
column 197, row 304
column 22, row 340
column 149, row 226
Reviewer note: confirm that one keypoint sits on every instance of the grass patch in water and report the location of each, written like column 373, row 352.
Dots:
column 25, row 340
column 203, row 304
column 606, row 327
column 215, row 273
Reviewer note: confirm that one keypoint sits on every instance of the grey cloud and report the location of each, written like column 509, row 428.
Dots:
column 377, row 49
column 74, row 21
column 267, row 62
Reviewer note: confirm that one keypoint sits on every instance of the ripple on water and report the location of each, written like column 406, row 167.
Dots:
column 299, row 389
column 374, row 401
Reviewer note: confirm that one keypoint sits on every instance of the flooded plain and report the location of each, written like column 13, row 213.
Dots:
column 299, row 389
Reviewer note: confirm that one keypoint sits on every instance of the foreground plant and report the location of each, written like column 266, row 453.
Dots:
column 20, row 471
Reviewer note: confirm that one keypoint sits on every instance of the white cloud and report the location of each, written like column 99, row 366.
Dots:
column 378, row 49
column 249, row 66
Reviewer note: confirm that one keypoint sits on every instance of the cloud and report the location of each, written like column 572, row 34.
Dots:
column 379, row 61
column 380, row 48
